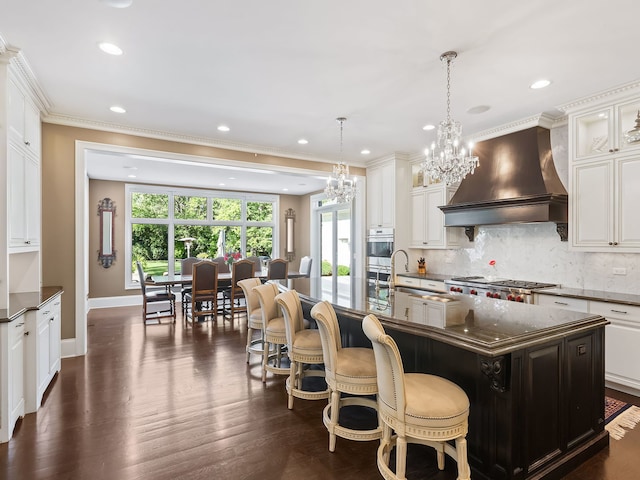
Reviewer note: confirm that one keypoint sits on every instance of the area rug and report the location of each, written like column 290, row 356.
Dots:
column 619, row 417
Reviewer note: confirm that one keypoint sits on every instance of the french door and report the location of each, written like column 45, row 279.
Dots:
column 336, row 252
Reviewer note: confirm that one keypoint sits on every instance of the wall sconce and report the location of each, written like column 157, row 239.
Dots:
column 289, row 221
column 107, row 213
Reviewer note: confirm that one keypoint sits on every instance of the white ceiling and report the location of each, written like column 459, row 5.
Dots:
column 282, row 70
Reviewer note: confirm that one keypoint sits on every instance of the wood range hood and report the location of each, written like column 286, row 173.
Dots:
column 516, row 182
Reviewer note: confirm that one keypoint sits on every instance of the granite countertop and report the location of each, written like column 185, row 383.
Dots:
column 19, row 303
column 426, row 276
column 599, row 295
column 485, row 326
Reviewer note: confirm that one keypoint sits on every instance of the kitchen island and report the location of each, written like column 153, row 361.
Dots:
column 534, row 375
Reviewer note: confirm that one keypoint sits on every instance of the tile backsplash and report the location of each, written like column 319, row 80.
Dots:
column 534, row 251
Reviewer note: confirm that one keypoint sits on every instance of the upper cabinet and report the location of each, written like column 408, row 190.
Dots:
column 24, row 119
column 604, row 177
column 427, row 220
column 388, row 197
column 381, row 196
column 601, row 131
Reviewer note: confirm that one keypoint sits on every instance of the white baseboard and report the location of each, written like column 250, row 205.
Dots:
column 68, row 348
column 121, row 301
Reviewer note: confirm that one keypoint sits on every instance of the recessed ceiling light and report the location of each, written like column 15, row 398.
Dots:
column 285, row 189
column 131, row 176
column 110, row 48
column 540, row 84
column 129, row 167
column 365, row 152
column 303, row 141
column 428, row 127
column 232, row 178
column 478, row 109
column 117, row 3
column 117, row 109
column 221, row 184
column 223, row 128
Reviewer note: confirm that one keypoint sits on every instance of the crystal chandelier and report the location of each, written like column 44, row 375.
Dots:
column 446, row 161
column 340, row 186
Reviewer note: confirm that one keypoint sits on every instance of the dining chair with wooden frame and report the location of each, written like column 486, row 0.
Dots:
column 278, row 269
column 148, row 297
column 234, row 295
column 203, row 298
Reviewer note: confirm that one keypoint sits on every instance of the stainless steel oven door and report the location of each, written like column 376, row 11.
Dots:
column 380, row 242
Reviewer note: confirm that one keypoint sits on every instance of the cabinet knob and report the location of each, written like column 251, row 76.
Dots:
column 28, row 144
column 28, row 242
column 615, row 243
column 610, row 243
column 27, row 332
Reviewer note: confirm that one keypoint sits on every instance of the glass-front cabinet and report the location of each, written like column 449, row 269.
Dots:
column 604, row 131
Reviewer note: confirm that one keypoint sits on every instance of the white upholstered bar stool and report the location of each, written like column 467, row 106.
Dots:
column 350, row 370
column 274, row 332
column 420, row 408
column 304, row 348
column 254, row 316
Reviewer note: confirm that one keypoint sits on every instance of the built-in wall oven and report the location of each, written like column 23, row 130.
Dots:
column 380, row 243
column 378, row 262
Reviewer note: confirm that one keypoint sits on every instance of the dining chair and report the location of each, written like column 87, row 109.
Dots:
column 254, row 316
column 305, row 266
column 256, row 261
column 278, row 269
column 418, row 407
column 223, row 267
column 234, row 295
column 348, row 370
column 186, row 267
column 304, row 348
column 203, row 298
column 159, row 296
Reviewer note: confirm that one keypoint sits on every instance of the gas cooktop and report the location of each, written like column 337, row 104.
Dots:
column 502, row 282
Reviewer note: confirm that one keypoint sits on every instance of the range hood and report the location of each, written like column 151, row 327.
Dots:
column 515, row 182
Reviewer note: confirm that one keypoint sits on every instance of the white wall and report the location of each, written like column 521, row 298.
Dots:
column 534, row 251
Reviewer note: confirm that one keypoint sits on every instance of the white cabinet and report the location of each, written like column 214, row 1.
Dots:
column 24, row 200
column 565, row 303
column 434, row 311
column 24, row 119
column 43, row 351
column 604, row 175
column 11, row 375
column 622, row 337
column 420, row 283
column 604, row 206
column 427, row 220
column 381, row 195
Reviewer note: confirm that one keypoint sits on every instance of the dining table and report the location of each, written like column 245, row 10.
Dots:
column 224, row 278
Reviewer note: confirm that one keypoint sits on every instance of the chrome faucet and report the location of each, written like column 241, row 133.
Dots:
column 392, row 282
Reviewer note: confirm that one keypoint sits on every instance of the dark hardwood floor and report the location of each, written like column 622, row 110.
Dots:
column 175, row 402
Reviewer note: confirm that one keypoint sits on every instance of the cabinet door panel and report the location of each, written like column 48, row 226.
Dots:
column 16, row 112
column 593, row 204
column 435, row 218
column 418, row 218
column 32, row 200
column 17, row 218
column 628, row 202
column 622, row 356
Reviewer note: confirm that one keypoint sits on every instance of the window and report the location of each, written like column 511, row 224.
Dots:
column 165, row 227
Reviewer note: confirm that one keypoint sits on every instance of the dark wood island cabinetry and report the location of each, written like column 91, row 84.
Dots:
column 534, row 375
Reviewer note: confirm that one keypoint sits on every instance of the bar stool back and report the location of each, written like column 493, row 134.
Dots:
column 304, row 348
column 274, row 332
column 350, row 370
column 420, row 408
column 254, row 316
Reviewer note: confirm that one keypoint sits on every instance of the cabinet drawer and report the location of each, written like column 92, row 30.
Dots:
column 616, row 310
column 432, row 285
column 408, row 281
column 565, row 303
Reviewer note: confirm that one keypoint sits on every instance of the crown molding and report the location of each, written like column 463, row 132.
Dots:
column 387, row 158
column 609, row 95
column 541, row 120
column 70, row 121
column 24, row 74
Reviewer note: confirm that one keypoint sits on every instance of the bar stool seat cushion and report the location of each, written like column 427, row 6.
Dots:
column 434, row 401
column 356, row 365
column 308, row 342
column 276, row 328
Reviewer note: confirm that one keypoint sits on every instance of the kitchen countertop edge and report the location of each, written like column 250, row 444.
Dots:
column 20, row 303
column 597, row 295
